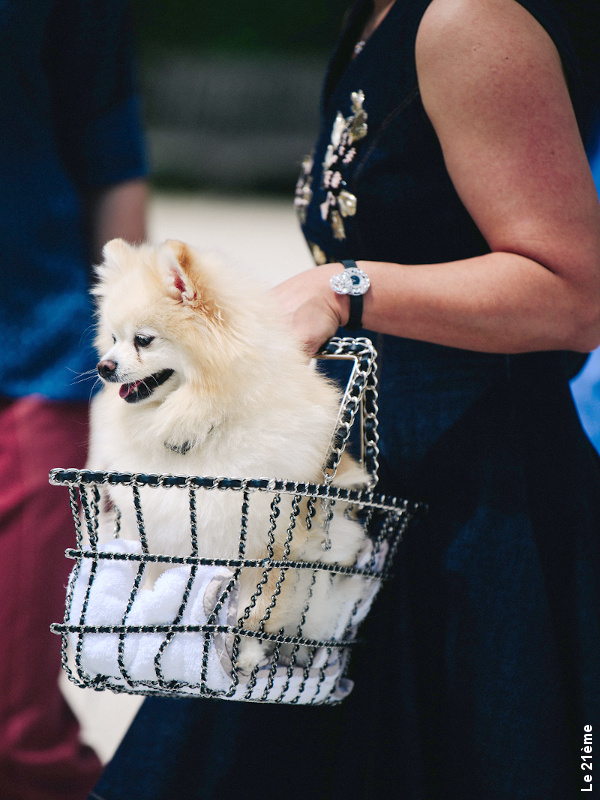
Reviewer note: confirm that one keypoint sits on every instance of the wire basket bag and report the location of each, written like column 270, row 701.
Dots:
column 184, row 636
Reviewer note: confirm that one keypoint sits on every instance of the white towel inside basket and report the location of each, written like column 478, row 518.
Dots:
column 106, row 596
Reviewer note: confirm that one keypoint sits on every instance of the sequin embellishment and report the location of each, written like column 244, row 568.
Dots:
column 339, row 203
column 318, row 255
column 304, row 194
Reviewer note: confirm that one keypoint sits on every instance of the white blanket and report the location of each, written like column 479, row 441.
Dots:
column 144, row 657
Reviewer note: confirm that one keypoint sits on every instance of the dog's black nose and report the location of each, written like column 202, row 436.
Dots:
column 106, row 369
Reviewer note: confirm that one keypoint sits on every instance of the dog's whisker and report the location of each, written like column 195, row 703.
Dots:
column 82, row 377
column 85, row 340
column 93, row 389
column 85, row 372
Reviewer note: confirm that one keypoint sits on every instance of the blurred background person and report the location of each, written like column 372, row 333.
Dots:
column 72, row 162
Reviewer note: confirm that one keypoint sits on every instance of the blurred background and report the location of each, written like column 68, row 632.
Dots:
column 231, row 96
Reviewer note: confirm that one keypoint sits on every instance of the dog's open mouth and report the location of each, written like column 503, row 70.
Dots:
column 140, row 390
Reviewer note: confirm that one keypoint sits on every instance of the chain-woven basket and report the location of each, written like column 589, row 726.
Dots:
column 183, row 637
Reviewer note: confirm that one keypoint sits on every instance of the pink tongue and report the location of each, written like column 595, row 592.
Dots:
column 127, row 388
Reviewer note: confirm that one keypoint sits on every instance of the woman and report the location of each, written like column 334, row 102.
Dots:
column 451, row 167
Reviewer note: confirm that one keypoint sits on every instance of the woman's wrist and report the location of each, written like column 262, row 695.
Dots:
column 339, row 303
column 354, row 283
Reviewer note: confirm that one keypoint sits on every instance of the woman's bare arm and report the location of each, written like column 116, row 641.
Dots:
column 117, row 211
column 492, row 84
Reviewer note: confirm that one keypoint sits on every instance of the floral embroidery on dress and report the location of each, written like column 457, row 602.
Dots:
column 339, row 203
column 304, row 194
column 318, row 255
column 302, row 200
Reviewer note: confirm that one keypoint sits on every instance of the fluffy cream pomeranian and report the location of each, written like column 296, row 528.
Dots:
column 201, row 377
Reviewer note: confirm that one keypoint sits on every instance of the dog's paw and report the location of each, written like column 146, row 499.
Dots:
column 251, row 652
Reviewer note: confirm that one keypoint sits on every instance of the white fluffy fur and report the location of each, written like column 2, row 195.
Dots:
column 243, row 401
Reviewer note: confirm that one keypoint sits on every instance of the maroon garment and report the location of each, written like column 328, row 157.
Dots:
column 41, row 757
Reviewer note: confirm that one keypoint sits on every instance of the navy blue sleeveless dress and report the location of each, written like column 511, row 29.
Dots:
column 481, row 661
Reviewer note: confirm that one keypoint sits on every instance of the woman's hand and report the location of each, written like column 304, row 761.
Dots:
column 311, row 307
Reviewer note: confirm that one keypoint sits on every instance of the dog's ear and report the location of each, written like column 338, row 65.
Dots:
column 187, row 280
column 177, row 259
column 114, row 254
column 114, row 251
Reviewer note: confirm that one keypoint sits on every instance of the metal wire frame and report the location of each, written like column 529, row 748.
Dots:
column 298, row 669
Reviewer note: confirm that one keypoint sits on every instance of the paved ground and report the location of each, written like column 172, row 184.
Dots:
column 261, row 235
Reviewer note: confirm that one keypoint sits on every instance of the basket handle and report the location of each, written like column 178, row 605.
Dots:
column 360, row 396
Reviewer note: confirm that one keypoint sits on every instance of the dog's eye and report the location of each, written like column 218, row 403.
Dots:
column 143, row 341
column 114, row 338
